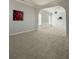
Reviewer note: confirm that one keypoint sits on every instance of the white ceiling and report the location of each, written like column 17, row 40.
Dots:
column 37, row 3
column 41, row 2
column 53, row 9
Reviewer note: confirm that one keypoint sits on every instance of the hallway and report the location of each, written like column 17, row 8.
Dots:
column 41, row 44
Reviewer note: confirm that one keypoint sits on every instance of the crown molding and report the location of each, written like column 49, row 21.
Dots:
column 32, row 4
column 29, row 3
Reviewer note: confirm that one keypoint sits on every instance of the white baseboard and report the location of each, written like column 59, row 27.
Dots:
column 21, row 32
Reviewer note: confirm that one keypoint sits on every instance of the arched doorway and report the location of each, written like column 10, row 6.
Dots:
column 53, row 17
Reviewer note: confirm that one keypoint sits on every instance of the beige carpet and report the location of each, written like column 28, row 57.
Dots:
column 41, row 44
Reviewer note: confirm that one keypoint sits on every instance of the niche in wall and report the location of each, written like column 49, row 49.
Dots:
column 17, row 15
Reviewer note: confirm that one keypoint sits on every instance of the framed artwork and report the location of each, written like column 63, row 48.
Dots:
column 17, row 15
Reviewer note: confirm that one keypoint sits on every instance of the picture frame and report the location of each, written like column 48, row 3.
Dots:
column 18, row 15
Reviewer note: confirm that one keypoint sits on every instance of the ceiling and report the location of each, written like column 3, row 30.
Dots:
column 37, row 3
column 41, row 2
column 56, row 8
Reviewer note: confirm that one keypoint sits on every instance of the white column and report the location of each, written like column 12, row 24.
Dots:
column 49, row 19
column 39, row 22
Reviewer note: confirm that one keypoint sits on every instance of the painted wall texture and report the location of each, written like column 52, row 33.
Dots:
column 29, row 18
column 44, row 19
column 59, row 18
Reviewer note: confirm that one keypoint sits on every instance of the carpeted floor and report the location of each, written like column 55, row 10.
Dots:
column 41, row 44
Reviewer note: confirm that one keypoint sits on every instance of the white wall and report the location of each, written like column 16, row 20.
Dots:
column 61, row 23
column 29, row 18
column 56, row 22
column 44, row 18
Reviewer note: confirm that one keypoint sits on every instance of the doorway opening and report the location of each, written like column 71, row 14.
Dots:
column 53, row 19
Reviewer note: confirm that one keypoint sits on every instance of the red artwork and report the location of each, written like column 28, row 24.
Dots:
column 17, row 15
